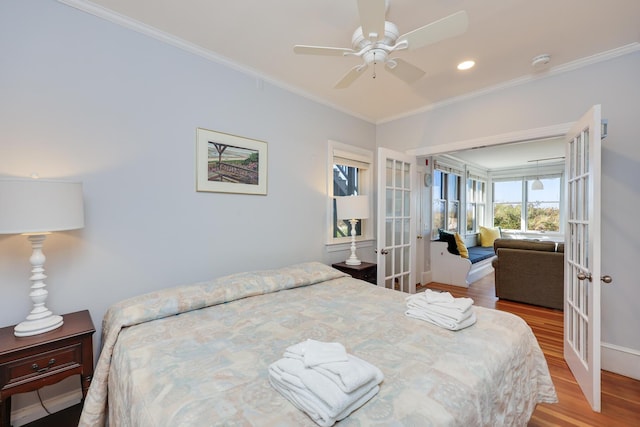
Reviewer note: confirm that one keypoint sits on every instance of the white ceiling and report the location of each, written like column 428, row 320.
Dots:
column 503, row 36
column 522, row 154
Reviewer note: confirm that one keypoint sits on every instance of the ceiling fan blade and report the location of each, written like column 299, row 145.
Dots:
column 321, row 50
column 372, row 17
column 449, row 26
column 404, row 70
column 351, row 76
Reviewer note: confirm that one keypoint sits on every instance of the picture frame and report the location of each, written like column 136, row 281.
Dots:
column 228, row 163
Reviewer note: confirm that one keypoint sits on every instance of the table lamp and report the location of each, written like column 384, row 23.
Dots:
column 35, row 208
column 352, row 208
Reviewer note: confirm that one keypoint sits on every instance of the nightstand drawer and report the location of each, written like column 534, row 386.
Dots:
column 41, row 365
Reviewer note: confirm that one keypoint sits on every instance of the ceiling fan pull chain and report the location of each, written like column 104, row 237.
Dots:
column 374, row 64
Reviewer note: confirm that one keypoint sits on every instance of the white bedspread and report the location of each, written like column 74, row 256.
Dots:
column 208, row 365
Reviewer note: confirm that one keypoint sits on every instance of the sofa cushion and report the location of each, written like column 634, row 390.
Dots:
column 462, row 248
column 450, row 238
column 533, row 245
column 489, row 235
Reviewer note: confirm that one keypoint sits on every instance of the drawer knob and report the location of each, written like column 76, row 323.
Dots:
column 38, row 369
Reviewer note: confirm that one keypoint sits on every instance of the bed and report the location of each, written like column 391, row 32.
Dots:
column 198, row 355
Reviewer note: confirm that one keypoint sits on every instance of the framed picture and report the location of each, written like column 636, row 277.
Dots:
column 230, row 164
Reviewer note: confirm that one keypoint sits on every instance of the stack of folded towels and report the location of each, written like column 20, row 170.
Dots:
column 442, row 309
column 324, row 381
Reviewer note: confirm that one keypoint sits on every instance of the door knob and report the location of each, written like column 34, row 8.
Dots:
column 582, row 276
column 606, row 279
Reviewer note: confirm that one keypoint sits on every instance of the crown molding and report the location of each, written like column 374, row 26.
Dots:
column 553, row 71
column 140, row 27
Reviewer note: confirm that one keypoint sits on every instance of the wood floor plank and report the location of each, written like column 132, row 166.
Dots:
column 620, row 394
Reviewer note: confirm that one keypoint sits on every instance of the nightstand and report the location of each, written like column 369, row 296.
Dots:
column 366, row 271
column 29, row 363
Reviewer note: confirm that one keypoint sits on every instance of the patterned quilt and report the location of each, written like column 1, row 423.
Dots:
column 197, row 355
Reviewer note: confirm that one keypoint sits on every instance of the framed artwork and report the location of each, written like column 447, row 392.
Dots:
column 230, row 164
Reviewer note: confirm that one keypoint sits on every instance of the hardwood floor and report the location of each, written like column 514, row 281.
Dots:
column 620, row 394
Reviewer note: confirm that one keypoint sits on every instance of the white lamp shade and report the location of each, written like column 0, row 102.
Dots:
column 352, row 207
column 38, row 206
column 537, row 185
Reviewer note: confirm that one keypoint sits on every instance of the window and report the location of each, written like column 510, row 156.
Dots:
column 476, row 193
column 543, row 206
column 507, row 204
column 446, row 201
column 517, row 207
column 350, row 174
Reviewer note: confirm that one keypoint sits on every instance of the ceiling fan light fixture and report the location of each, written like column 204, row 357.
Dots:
column 465, row 65
column 377, row 38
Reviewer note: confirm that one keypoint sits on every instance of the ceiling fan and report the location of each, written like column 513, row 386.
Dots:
column 376, row 39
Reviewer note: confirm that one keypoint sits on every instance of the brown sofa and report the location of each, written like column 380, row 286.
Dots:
column 530, row 271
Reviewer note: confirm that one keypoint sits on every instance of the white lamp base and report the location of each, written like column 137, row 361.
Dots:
column 353, row 259
column 31, row 327
column 41, row 319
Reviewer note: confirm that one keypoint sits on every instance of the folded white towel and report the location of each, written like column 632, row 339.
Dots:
column 320, row 385
column 433, row 296
column 460, row 304
column 442, row 321
column 316, row 394
column 424, row 299
column 350, row 375
column 313, row 352
column 306, row 402
column 441, row 310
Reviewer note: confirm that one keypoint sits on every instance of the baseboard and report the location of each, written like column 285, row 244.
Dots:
column 620, row 360
column 425, row 277
column 35, row 411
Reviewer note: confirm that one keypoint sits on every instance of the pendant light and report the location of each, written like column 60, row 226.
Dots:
column 537, row 184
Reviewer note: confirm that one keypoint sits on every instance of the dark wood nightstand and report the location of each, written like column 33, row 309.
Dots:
column 29, row 363
column 366, row 271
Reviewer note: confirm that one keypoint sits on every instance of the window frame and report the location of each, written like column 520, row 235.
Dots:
column 478, row 201
column 446, row 191
column 525, row 181
column 364, row 160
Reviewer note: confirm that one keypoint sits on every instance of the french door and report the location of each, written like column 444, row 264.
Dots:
column 396, row 229
column 582, row 254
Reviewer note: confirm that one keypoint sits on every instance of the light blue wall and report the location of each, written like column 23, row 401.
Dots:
column 85, row 99
column 555, row 100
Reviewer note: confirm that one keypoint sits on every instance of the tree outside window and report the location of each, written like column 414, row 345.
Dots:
column 512, row 198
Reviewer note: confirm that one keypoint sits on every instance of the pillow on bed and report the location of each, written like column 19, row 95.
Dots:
column 488, row 235
column 462, row 248
column 450, row 238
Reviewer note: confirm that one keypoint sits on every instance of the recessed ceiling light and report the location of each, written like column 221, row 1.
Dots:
column 465, row 65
